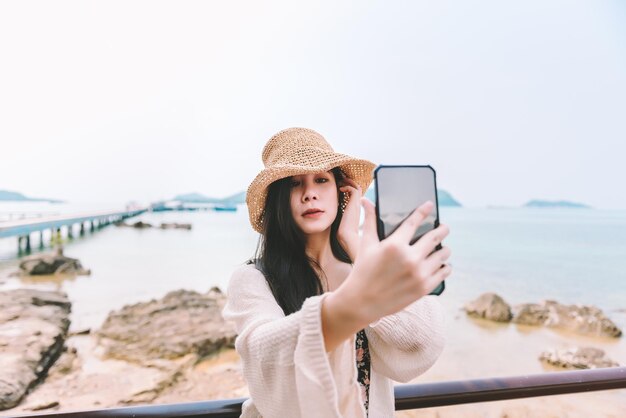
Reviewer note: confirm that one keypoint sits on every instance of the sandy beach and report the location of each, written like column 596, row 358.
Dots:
column 476, row 349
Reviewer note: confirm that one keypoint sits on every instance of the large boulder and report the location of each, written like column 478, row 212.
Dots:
column 51, row 263
column 577, row 358
column 33, row 328
column 489, row 306
column 183, row 322
column 582, row 319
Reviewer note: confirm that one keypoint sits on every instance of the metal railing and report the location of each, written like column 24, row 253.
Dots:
column 413, row 396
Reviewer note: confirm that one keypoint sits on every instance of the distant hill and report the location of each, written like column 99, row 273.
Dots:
column 236, row 199
column 6, row 195
column 195, row 198
column 555, row 204
column 445, row 199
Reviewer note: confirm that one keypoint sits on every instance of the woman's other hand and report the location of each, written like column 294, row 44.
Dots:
column 348, row 231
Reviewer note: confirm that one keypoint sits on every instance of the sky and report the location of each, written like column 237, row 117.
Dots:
column 117, row 101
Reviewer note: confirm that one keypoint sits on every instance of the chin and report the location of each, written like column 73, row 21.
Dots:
column 314, row 229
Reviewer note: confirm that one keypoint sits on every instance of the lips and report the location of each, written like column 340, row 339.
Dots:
column 311, row 211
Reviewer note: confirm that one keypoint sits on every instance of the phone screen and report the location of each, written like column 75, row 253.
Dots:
column 399, row 191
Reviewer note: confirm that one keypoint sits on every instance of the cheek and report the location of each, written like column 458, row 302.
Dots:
column 293, row 203
column 332, row 197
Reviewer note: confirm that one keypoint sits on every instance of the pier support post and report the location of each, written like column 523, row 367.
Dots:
column 19, row 245
column 41, row 240
column 57, row 237
column 93, row 227
column 28, row 249
column 70, row 232
column 82, row 229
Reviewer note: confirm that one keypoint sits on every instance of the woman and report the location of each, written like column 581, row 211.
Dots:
column 327, row 319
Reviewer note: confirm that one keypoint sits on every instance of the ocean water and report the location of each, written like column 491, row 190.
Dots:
column 525, row 255
column 571, row 255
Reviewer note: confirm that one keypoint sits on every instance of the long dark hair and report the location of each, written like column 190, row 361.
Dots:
column 280, row 253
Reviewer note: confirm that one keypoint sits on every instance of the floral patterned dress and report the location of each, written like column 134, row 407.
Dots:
column 363, row 367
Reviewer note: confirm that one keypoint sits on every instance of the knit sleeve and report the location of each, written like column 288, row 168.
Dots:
column 284, row 357
column 406, row 344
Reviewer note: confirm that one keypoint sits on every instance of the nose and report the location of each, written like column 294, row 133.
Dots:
column 309, row 192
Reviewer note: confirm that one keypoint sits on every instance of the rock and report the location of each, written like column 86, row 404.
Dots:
column 489, row 306
column 181, row 323
column 138, row 224
column 141, row 225
column 44, row 405
column 577, row 358
column 530, row 314
column 587, row 320
column 175, row 226
column 33, row 328
column 67, row 363
column 215, row 289
column 51, row 263
column 85, row 331
column 171, row 377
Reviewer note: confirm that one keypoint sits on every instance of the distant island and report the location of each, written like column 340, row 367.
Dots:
column 555, row 204
column 235, row 199
column 6, row 195
column 445, row 198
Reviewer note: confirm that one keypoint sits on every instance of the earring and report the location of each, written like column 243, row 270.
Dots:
column 344, row 202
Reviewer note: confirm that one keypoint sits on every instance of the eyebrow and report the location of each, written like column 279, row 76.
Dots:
column 316, row 174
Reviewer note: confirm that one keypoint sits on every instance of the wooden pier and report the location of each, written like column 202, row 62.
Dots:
column 24, row 228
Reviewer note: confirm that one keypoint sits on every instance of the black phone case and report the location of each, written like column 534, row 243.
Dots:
column 379, row 224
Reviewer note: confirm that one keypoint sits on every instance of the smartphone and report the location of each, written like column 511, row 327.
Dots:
column 400, row 189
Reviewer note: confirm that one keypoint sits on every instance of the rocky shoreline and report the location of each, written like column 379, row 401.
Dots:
column 579, row 319
column 179, row 349
column 142, row 352
column 33, row 328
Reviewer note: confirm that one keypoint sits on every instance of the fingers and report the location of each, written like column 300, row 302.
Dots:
column 350, row 182
column 351, row 186
column 350, row 189
column 433, row 281
column 370, row 236
column 427, row 242
column 407, row 229
column 434, row 261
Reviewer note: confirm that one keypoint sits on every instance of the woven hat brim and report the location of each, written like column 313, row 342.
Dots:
column 359, row 170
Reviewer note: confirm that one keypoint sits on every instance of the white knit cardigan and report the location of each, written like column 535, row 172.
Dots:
column 288, row 371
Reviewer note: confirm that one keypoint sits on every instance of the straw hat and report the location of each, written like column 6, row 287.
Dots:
column 297, row 151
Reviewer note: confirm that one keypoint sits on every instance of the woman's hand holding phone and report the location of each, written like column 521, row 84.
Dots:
column 389, row 275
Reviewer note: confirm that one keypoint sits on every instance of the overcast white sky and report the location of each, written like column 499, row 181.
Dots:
column 141, row 100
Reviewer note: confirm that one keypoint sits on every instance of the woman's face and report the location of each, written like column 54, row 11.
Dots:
column 314, row 201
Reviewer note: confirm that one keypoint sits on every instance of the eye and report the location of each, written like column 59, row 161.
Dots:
column 295, row 183
column 322, row 180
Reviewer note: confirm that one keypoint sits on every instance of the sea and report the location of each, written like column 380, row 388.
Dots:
column 525, row 255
